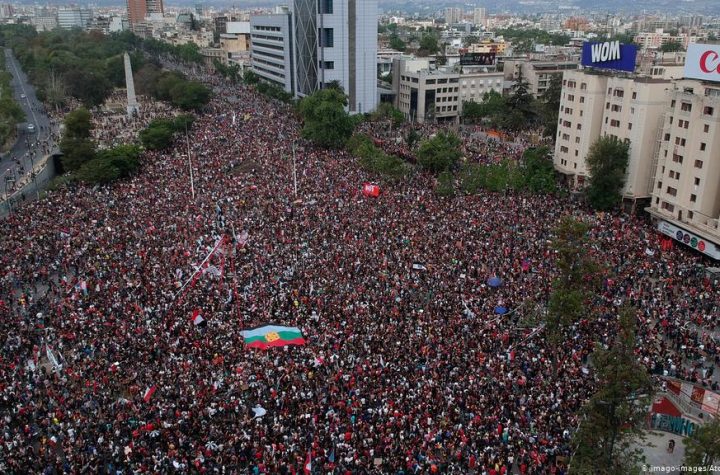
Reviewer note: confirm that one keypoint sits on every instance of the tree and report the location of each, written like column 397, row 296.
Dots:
column 78, row 124
column 614, row 418
column 76, row 152
column 326, row 122
column 190, row 95
column 607, row 162
column 88, row 86
column 396, row 43
column 538, row 171
column 428, row 45
column 76, row 145
column 386, row 111
column 110, row 165
column 702, row 449
column 439, row 153
column 250, row 77
column 521, row 107
column 158, row 135
column 671, row 47
column 492, row 108
column 575, row 283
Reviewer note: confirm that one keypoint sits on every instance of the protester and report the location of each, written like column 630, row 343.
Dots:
column 405, row 370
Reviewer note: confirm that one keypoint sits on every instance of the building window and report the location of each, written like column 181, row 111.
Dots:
column 672, row 103
column 693, row 198
column 677, row 158
column 582, row 100
column 702, row 146
column 325, row 6
column 667, row 137
column 698, row 163
column 327, row 39
column 708, row 110
column 671, row 191
column 697, row 181
column 629, row 126
column 583, row 86
column 686, row 107
column 579, row 126
column 706, row 128
column 327, row 65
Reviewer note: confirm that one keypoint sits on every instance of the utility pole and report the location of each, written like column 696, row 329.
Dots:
column 192, row 181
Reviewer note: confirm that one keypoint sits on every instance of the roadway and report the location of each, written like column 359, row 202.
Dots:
column 30, row 146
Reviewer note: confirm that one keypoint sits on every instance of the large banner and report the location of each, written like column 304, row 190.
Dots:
column 696, row 396
column 609, row 55
column 703, row 62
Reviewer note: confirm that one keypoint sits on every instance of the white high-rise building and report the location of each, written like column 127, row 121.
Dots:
column 479, row 16
column 336, row 41
column 332, row 41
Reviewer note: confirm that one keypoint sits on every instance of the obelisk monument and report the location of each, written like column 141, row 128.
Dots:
column 133, row 108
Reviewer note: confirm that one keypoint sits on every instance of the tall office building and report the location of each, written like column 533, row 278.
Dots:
column 331, row 41
column 453, row 15
column 139, row 9
column 479, row 16
column 74, row 17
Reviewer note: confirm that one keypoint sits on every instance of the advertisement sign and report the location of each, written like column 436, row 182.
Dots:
column 690, row 239
column 477, row 59
column 703, row 62
column 609, row 55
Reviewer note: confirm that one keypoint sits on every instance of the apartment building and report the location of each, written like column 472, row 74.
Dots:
column 74, row 17
column 686, row 195
column 538, row 74
column 426, row 94
column 595, row 104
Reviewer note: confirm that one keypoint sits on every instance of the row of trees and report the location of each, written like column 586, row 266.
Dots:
column 519, row 110
column 84, row 162
column 10, row 111
column 172, row 87
column 89, row 65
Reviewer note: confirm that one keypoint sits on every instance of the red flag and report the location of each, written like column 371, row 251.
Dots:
column 307, row 469
column 370, row 189
column 149, row 393
column 197, row 319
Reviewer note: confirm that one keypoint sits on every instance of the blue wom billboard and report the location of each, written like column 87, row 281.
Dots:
column 609, row 55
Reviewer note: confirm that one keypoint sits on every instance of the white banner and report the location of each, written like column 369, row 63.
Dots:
column 703, row 62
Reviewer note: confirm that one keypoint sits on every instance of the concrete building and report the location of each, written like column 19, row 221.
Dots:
column 537, row 74
column 480, row 16
column 426, row 94
column 68, row 18
column 329, row 41
column 686, row 196
column 44, row 20
column 6, row 10
column 655, row 40
column 346, row 50
column 453, row 15
column 595, row 104
column 138, row 10
column 271, row 49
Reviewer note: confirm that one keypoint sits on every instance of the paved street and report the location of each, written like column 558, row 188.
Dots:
column 28, row 148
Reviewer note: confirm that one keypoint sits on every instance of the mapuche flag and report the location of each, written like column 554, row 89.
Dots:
column 267, row 336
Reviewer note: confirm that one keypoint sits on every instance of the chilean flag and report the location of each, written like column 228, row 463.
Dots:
column 149, row 393
column 307, row 469
column 197, row 319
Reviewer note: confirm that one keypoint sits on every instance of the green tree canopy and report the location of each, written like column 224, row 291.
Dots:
column 614, row 418
column 440, row 153
column 325, row 120
column 607, row 160
column 702, row 449
column 396, row 43
column 671, row 47
column 428, row 44
column 78, row 124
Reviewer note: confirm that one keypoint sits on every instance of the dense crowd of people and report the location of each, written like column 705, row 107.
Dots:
column 407, row 366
